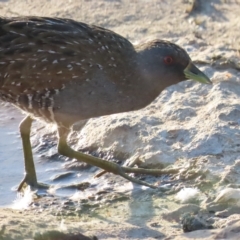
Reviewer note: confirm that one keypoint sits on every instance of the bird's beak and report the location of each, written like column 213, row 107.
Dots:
column 192, row 72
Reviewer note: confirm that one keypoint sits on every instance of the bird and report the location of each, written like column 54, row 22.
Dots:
column 61, row 71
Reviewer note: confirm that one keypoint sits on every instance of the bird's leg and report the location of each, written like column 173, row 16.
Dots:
column 30, row 177
column 67, row 151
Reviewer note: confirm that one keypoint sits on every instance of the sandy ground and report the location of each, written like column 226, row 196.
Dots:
column 216, row 23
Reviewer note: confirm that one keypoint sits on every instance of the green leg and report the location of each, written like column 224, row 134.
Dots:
column 30, row 177
column 65, row 150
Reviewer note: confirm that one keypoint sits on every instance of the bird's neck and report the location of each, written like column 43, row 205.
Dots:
column 143, row 91
column 147, row 87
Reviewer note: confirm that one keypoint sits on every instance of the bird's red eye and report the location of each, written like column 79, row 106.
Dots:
column 168, row 60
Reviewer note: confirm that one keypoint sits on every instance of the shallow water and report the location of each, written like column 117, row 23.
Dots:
column 11, row 160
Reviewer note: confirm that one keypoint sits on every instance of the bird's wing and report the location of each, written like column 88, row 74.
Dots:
column 47, row 53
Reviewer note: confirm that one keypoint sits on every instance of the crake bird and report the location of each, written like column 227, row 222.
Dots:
column 62, row 71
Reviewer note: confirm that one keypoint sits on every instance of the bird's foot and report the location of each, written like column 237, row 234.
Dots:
column 33, row 184
column 122, row 171
column 107, row 166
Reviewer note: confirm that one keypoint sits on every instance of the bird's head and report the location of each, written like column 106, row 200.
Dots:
column 166, row 63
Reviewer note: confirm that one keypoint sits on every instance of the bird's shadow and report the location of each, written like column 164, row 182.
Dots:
column 142, row 199
column 140, row 212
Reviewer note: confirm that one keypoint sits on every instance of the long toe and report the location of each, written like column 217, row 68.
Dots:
column 34, row 185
